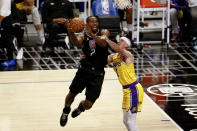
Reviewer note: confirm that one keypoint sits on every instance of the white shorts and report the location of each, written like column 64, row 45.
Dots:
column 123, row 4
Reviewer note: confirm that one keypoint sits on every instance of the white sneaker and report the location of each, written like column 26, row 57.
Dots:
column 19, row 54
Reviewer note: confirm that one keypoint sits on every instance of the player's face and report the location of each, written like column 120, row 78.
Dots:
column 93, row 24
column 122, row 44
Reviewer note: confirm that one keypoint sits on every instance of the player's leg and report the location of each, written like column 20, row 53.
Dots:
column 37, row 24
column 129, row 116
column 174, row 23
column 93, row 89
column 83, row 105
column 130, row 106
column 68, row 101
column 76, row 87
column 129, row 120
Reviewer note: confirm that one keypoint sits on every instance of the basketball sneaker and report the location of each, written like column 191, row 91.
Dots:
column 78, row 111
column 64, row 116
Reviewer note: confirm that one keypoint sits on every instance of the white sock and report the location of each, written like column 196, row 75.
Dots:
column 130, row 27
column 129, row 120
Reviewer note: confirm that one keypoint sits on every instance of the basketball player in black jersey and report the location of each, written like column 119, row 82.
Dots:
column 90, row 74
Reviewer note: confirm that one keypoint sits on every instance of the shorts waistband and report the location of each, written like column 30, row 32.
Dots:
column 130, row 85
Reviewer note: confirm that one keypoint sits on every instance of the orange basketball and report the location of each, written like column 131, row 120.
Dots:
column 77, row 24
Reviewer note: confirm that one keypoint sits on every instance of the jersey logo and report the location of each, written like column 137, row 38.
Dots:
column 117, row 64
column 92, row 46
column 134, row 109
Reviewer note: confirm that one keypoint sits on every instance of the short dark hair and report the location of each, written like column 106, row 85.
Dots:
column 88, row 18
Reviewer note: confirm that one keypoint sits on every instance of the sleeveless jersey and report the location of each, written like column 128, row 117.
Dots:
column 95, row 56
column 132, row 90
column 126, row 73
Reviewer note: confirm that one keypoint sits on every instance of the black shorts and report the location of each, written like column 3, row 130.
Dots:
column 89, row 78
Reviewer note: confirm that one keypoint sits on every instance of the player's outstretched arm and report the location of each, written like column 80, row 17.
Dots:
column 127, row 57
column 115, row 46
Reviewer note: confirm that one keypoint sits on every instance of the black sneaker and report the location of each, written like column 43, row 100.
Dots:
column 64, row 116
column 76, row 112
column 63, row 119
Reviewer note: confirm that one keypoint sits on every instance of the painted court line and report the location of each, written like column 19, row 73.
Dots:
column 163, row 112
column 35, row 82
column 38, row 82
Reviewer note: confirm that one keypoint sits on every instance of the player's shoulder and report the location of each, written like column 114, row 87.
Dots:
column 130, row 57
column 115, row 55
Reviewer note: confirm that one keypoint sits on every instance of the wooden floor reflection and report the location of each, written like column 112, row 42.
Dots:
column 33, row 101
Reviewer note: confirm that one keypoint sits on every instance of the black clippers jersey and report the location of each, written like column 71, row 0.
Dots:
column 95, row 55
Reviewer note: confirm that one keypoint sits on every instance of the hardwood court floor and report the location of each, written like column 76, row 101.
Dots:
column 33, row 101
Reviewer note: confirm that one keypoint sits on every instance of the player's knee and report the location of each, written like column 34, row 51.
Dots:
column 87, row 104
column 125, row 122
column 70, row 96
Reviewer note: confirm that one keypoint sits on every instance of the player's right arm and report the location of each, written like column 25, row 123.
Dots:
column 77, row 41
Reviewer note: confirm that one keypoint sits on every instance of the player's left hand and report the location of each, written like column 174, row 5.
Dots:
column 105, row 32
column 104, row 37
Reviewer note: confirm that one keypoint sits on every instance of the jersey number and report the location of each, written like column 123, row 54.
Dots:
column 92, row 52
